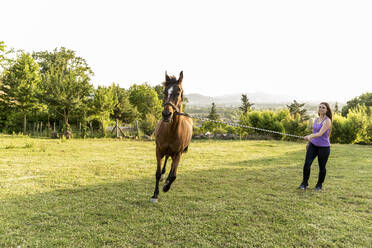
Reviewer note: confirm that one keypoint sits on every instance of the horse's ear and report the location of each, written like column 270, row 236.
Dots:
column 167, row 78
column 180, row 78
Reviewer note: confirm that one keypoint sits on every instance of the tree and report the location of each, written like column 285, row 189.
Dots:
column 336, row 110
column 213, row 113
column 246, row 105
column 65, row 82
column 123, row 109
column 4, row 60
column 20, row 85
column 103, row 105
column 160, row 91
column 2, row 52
column 297, row 108
column 145, row 99
column 362, row 100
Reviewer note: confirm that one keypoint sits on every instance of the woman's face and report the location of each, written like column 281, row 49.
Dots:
column 322, row 109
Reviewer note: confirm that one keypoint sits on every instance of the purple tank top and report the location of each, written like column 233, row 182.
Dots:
column 323, row 140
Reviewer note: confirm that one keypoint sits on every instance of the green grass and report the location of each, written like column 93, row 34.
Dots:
column 96, row 193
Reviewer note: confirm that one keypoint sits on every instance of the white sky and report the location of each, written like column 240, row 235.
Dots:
column 306, row 49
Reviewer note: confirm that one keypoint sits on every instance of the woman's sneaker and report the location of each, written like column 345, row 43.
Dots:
column 318, row 188
column 302, row 186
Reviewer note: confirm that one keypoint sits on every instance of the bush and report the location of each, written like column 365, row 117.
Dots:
column 265, row 120
column 295, row 125
column 148, row 125
column 356, row 128
column 337, row 128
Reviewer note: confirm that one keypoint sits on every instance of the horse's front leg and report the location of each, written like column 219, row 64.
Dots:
column 173, row 172
column 154, row 198
column 163, row 170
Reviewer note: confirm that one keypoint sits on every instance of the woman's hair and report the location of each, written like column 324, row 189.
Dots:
column 329, row 111
column 329, row 115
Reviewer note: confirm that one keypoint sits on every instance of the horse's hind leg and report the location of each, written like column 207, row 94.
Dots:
column 154, row 198
column 173, row 172
column 163, row 170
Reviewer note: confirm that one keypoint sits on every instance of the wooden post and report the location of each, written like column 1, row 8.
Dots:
column 121, row 131
column 48, row 127
column 91, row 128
column 117, row 128
column 137, row 128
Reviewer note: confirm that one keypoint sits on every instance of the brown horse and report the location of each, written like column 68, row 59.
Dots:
column 173, row 133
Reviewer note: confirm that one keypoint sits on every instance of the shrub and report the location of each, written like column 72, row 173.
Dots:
column 337, row 128
column 148, row 125
column 295, row 125
column 353, row 129
column 265, row 120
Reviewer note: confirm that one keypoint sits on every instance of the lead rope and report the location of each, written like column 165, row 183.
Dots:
column 239, row 125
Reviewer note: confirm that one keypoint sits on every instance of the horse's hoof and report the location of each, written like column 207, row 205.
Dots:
column 166, row 187
column 162, row 177
column 154, row 200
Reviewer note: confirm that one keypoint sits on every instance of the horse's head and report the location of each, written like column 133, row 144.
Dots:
column 173, row 96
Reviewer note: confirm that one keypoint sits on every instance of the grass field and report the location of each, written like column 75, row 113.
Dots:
column 96, row 193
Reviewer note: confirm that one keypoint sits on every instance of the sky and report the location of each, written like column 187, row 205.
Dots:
column 309, row 50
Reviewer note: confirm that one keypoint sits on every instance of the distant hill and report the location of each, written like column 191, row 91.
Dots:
column 235, row 99
column 199, row 100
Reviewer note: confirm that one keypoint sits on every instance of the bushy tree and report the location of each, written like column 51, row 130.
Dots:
column 4, row 59
column 298, row 108
column 123, row 109
column 352, row 129
column 262, row 119
column 103, row 105
column 146, row 100
column 362, row 100
column 160, row 91
column 148, row 124
column 20, row 85
column 65, row 82
column 293, row 124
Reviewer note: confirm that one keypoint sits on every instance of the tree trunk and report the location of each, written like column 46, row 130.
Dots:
column 91, row 128
column 103, row 129
column 24, row 123
column 137, row 127
column 67, row 131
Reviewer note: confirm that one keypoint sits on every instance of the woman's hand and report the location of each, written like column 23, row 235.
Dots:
column 307, row 137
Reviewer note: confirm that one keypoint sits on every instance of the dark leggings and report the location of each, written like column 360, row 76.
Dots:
column 311, row 153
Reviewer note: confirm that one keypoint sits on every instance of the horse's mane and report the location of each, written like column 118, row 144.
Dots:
column 172, row 80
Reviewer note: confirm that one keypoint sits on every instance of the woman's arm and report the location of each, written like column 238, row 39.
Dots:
column 326, row 125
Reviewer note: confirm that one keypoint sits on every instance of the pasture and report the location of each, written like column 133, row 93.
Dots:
column 96, row 193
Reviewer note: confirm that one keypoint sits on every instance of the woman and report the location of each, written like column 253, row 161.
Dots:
column 318, row 145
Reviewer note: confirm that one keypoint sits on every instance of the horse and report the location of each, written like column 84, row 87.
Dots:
column 172, row 134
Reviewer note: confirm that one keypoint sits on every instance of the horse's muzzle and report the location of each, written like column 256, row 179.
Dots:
column 166, row 116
